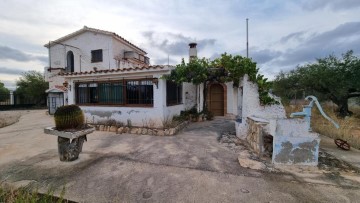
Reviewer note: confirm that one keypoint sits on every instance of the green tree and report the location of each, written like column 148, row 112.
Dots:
column 227, row 68
column 196, row 72
column 336, row 79
column 32, row 85
column 4, row 92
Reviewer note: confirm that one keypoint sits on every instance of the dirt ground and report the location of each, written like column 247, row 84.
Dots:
column 194, row 166
column 9, row 117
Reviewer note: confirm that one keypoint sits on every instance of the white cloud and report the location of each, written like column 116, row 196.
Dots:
column 277, row 29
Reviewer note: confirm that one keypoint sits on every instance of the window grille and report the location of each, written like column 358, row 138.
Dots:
column 123, row 93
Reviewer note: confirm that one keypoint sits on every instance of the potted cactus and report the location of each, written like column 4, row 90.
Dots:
column 71, row 131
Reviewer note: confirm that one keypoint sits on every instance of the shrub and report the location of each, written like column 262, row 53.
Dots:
column 69, row 117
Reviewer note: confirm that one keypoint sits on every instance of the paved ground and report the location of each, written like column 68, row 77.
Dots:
column 190, row 167
column 352, row 156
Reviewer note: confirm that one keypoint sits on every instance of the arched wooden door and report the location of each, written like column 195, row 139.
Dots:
column 216, row 100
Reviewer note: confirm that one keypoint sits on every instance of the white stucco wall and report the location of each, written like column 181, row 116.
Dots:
column 231, row 100
column 138, row 115
column 53, row 78
column 251, row 103
column 85, row 43
column 189, row 95
column 251, row 107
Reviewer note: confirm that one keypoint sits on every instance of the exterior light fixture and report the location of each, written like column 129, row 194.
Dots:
column 66, row 85
column 156, row 82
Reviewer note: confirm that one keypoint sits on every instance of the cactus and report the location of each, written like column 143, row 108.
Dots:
column 69, row 117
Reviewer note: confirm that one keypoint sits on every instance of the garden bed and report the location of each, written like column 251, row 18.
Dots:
column 141, row 130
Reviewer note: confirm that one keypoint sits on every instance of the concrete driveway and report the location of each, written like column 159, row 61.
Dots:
column 189, row 167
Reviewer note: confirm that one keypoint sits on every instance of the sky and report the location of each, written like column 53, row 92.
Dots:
column 282, row 33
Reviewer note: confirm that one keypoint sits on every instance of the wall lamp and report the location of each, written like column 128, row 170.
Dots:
column 156, row 82
column 66, row 85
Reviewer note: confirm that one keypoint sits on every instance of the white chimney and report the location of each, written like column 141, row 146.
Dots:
column 192, row 51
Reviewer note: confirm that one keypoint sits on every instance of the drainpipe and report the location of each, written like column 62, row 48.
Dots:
column 49, row 58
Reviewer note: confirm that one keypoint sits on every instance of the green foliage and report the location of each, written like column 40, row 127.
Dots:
column 4, row 92
column 196, row 72
column 227, row 68
column 11, row 195
column 208, row 114
column 32, row 84
column 69, row 117
column 331, row 78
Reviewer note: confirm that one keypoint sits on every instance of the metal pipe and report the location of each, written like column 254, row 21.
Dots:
column 49, row 58
column 247, row 38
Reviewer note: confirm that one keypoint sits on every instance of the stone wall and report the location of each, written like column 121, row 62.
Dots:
column 256, row 133
column 142, row 130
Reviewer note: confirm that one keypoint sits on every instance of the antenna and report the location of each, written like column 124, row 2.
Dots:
column 247, row 38
column 168, row 59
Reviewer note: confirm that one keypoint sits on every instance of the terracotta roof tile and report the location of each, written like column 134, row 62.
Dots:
column 112, row 70
column 60, row 87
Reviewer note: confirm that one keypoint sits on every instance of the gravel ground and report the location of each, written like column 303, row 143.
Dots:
column 9, row 117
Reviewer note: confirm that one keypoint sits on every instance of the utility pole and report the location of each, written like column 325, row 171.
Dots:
column 247, row 38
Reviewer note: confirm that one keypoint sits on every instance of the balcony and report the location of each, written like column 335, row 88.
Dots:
column 133, row 56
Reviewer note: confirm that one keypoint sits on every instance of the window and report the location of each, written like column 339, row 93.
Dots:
column 124, row 93
column 139, row 92
column 96, row 56
column 70, row 62
column 111, row 93
column 173, row 93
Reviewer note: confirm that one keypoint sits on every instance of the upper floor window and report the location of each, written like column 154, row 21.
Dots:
column 70, row 62
column 96, row 56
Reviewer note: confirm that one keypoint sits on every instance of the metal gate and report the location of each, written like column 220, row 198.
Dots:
column 21, row 101
column 55, row 100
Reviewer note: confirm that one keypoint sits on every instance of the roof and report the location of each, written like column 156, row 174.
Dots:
column 156, row 67
column 85, row 29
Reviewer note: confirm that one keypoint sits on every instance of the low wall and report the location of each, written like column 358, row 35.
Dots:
column 142, row 130
column 258, row 136
column 291, row 144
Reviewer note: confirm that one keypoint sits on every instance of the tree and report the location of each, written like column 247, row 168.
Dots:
column 196, row 72
column 336, row 79
column 4, row 92
column 227, row 68
column 32, row 85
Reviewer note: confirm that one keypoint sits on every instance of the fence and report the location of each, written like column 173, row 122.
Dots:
column 16, row 101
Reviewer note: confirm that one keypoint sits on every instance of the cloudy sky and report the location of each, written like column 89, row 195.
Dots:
column 282, row 33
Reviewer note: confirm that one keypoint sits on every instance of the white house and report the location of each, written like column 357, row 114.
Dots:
column 111, row 78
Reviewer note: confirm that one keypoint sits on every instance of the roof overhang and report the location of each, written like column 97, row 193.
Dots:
column 88, row 29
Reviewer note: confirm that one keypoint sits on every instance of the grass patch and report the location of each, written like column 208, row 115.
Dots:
column 349, row 127
column 11, row 195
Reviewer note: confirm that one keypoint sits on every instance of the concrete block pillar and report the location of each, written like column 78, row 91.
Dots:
column 11, row 98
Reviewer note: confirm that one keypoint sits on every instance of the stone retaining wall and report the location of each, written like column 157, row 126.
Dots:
column 142, row 130
column 256, row 133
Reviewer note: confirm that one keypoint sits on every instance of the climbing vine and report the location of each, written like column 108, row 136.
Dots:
column 227, row 68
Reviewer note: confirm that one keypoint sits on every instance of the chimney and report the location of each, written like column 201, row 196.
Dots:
column 192, row 51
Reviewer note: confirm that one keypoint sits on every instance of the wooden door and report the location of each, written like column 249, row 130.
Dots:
column 216, row 100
